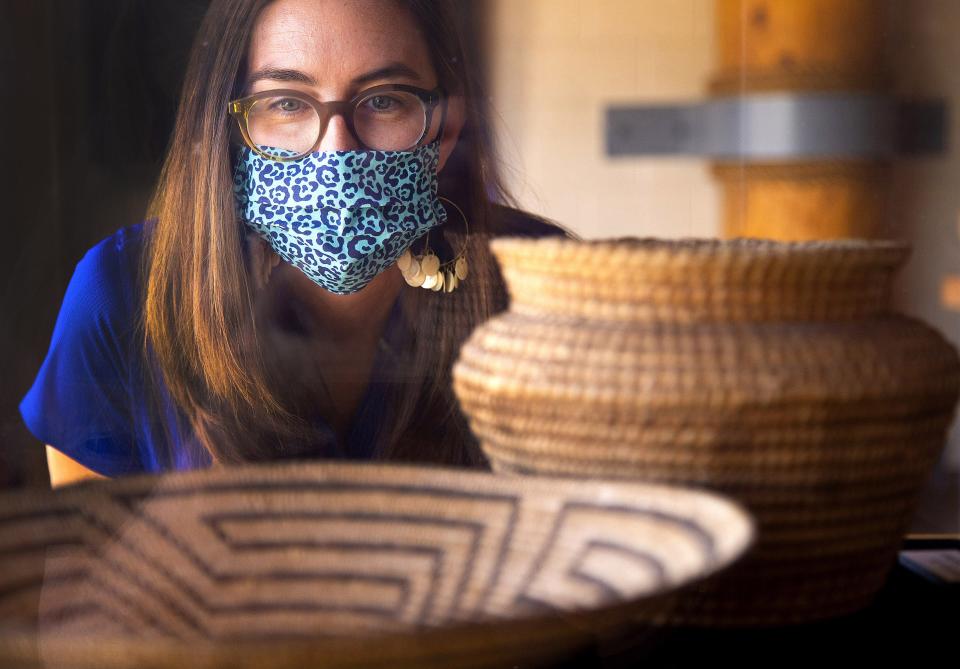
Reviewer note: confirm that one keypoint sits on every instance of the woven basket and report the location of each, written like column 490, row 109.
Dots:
column 774, row 372
column 345, row 565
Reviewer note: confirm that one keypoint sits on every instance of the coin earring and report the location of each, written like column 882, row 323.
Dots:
column 425, row 270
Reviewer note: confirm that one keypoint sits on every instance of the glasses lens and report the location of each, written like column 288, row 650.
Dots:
column 283, row 126
column 389, row 121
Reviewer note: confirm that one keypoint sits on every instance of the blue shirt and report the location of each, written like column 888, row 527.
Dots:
column 89, row 397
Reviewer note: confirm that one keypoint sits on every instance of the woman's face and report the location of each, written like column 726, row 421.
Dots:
column 332, row 49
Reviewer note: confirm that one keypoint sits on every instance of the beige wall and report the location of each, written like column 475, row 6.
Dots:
column 556, row 65
column 926, row 191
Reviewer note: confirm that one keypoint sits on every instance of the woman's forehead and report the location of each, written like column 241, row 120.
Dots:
column 335, row 41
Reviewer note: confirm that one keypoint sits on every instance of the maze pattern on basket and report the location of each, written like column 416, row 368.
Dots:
column 274, row 556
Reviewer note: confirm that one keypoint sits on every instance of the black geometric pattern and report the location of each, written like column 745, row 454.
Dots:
column 321, row 550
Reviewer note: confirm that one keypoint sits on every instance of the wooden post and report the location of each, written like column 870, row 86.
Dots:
column 801, row 46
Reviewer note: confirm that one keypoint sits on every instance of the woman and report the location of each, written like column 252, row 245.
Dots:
column 226, row 328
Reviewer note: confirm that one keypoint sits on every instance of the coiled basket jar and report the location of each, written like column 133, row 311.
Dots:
column 774, row 372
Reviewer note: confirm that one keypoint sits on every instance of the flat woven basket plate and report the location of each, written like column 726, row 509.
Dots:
column 301, row 564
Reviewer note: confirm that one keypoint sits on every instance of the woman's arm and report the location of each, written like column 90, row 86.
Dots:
column 65, row 470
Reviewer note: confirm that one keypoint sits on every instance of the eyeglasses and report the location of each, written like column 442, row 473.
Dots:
column 286, row 124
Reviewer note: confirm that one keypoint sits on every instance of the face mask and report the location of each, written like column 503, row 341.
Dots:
column 340, row 217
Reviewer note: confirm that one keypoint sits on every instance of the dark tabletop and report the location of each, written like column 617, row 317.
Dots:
column 913, row 622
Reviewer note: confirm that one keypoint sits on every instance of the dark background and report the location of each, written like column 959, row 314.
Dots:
column 89, row 95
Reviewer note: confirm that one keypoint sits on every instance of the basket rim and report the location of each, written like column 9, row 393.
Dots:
column 872, row 251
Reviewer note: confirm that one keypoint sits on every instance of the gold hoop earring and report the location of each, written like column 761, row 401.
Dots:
column 426, row 270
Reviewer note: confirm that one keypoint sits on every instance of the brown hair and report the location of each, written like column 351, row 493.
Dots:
column 198, row 323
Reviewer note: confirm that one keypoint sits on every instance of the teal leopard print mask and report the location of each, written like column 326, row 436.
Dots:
column 340, row 217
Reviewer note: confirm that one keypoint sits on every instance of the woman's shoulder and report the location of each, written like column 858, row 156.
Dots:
column 118, row 252
column 512, row 222
column 103, row 294
column 106, row 279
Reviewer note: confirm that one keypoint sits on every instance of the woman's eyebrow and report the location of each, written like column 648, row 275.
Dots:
column 392, row 70
column 280, row 74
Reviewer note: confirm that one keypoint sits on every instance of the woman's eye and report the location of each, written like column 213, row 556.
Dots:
column 382, row 103
column 288, row 105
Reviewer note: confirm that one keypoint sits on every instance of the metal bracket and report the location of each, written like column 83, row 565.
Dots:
column 781, row 127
